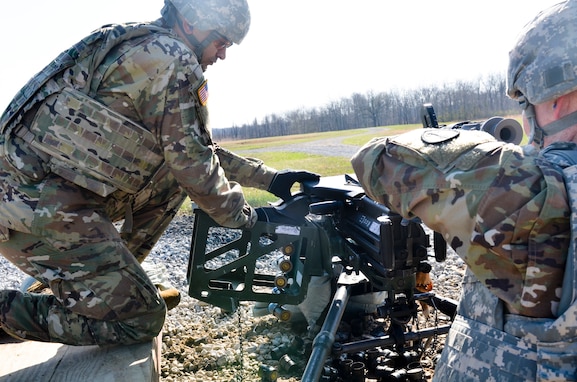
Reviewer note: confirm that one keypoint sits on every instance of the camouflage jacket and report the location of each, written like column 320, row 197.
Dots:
column 147, row 74
column 505, row 213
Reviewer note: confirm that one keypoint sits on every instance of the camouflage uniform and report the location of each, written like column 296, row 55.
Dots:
column 57, row 221
column 506, row 213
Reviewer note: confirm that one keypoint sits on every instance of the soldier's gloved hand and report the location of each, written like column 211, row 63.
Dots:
column 284, row 180
column 270, row 215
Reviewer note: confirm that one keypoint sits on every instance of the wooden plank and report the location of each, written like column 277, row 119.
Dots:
column 49, row 362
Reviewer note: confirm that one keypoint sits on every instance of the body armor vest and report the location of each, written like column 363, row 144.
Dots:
column 86, row 142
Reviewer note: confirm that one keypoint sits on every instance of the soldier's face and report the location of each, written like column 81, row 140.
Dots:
column 214, row 51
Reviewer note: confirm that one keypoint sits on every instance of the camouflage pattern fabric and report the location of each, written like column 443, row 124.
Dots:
column 243, row 169
column 91, row 145
column 506, row 213
column 539, row 65
column 86, row 54
column 231, row 18
column 503, row 212
column 485, row 344
column 64, row 235
column 101, row 295
column 475, row 351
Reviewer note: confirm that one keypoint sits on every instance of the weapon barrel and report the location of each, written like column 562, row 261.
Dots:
column 324, row 341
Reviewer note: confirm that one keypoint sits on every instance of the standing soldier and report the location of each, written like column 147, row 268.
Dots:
column 510, row 212
column 116, row 128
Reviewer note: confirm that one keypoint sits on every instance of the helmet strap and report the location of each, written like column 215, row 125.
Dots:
column 538, row 133
column 198, row 47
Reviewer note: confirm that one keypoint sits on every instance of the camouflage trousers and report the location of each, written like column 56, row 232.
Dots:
column 93, row 302
column 61, row 235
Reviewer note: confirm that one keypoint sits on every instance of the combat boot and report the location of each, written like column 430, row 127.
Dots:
column 171, row 296
column 31, row 285
column 157, row 273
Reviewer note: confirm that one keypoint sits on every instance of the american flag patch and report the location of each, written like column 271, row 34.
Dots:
column 203, row 93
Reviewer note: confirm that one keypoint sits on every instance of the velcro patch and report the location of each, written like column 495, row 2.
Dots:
column 203, row 93
column 436, row 136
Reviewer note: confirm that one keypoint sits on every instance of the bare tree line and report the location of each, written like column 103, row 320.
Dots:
column 464, row 100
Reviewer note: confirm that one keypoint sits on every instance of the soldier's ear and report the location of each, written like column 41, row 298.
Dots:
column 562, row 106
column 186, row 27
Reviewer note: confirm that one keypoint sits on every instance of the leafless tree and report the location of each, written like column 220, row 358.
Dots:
column 478, row 99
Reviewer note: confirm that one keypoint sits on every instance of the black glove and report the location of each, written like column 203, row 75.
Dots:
column 284, row 180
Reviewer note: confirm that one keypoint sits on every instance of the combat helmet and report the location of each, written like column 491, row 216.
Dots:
column 229, row 18
column 543, row 65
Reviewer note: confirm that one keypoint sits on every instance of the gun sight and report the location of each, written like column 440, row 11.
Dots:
column 507, row 130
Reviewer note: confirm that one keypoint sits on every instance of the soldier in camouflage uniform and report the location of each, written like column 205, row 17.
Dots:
column 510, row 213
column 115, row 128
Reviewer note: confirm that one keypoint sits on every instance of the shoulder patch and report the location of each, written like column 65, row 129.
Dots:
column 436, row 136
column 202, row 93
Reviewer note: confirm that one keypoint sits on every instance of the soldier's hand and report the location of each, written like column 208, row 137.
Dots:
column 284, row 180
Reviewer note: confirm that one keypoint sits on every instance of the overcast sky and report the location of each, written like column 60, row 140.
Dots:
column 298, row 53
